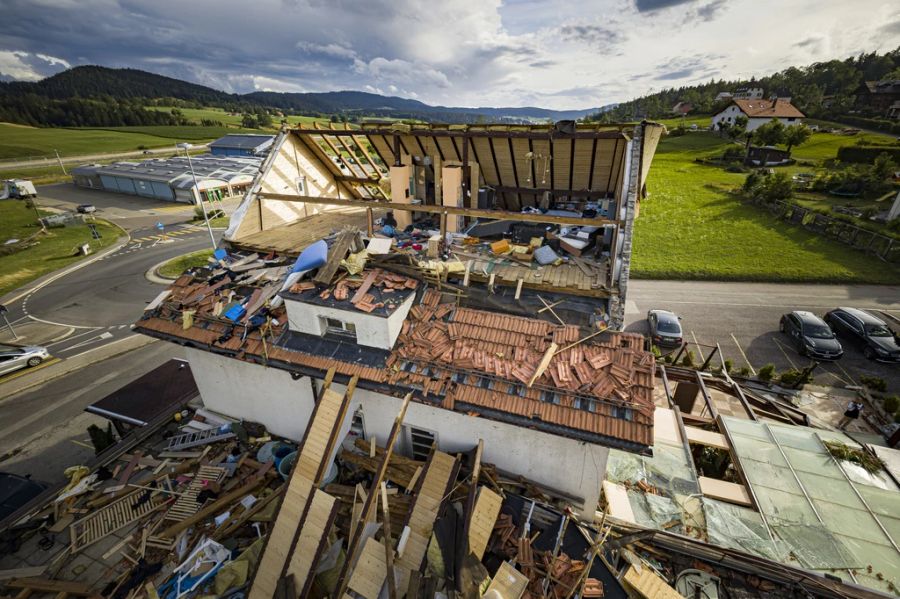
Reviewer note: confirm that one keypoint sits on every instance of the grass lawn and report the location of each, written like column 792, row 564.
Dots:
column 55, row 248
column 692, row 227
column 198, row 114
column 174, row 267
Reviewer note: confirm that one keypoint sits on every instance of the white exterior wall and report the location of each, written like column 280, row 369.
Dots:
column 573, row 467
column 284, row 406
column 371, row 330
column 253, row 392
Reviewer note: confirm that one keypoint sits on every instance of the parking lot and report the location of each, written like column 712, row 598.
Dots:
column 743, row 319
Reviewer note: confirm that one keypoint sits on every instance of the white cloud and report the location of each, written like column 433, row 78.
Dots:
column 330, row 49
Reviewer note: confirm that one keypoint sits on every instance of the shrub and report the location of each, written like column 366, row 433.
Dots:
column 655, row 351
column 794, row 377
column 728, row 365
column 866, row 154
column 688, row 359
column 766, row 373
column 891, row 404
column 212, row 212
column 874, row 383
column 743, row 371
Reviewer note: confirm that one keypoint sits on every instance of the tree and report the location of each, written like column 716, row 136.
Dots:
column 249, row 122
column 796, row 136
column 263, row 119
column 737, row 129
column 770, row 134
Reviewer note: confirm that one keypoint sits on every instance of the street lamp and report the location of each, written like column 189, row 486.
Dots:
column 186, row 147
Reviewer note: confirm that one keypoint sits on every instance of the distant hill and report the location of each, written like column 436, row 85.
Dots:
column 98, row 82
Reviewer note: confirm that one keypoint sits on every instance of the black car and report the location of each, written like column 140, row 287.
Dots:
column 875, row 338
column 664, row 328
column 811, row 336
column 16, row 491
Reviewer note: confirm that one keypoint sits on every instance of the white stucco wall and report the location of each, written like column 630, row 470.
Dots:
column 252, row 392
column 371, row 330
column 270, row 397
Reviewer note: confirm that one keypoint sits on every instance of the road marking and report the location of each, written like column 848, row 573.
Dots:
column 846, row 373
column 63, row 336
column 82, row 334
column 699, row 351
column 740, row 349
column 102, row 346
column 784, row 352
column 100, row 337
column 25, row 371
column 58, row 324
column 834, row 375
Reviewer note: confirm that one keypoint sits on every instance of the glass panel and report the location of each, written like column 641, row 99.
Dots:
column 830, row 489
column 817, row 463
column 765, row 452
column 815, row 547
column 861, row 476
column 881, row 501
column 772, row 477
column 884, row 563
column 797, row 437
column 849, row 522
column 893, row 527
column 740, row 528
column 748, row 428
column 784, row 507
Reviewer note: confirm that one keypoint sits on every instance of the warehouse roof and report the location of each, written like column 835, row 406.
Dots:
column 243, row 141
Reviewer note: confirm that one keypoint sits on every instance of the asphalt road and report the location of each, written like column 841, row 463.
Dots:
column 49, row 433
column 743, row 319
column 86, row 158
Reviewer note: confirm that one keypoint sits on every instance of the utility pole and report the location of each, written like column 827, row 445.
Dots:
column 59, row 160
column 196, row 190
column 3, row 311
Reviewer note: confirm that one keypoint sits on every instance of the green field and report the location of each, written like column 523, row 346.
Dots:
column 694, row 227
column 22, row 143
column 174, row 267
column 196, row 115
column 55, row 249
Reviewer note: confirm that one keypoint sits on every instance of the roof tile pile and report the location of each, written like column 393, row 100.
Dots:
column 464, row 359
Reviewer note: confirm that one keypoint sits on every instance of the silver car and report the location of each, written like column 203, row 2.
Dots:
column 13, row 357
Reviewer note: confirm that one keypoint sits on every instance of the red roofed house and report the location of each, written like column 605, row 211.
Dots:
column 759, row 112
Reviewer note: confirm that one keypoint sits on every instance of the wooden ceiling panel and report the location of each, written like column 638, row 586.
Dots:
column 486, row 162
column 562, row 152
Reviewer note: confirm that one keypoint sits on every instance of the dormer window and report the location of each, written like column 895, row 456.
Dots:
column 333, row 326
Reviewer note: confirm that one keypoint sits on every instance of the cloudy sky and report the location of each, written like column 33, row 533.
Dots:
column 551, row 53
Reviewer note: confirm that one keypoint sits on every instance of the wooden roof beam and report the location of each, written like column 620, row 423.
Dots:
column 461, row 211
column 604, row 134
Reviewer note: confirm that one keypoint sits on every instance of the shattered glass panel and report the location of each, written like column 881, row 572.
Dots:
column 668, row 469
column 813, row 546
column 830, row 489
column 884, row 563
column 622, row 466
column 740, row 528
column 655, row 511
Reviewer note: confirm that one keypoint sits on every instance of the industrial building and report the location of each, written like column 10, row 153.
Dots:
column 242, row 145
column 171, row 179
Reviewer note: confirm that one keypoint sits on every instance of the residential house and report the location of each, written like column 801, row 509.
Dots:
column 878, row 97
column 758, row 113
column 723, row 97
column 548, row 399
column 748, row 93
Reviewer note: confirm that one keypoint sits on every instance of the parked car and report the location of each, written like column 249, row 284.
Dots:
column 16, row 491
column 811, row 336
column 86, row 208
column 13, row 357
column 871, row 334
column 665, row 328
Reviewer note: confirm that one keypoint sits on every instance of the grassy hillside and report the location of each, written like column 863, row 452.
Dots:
column 693, row 227
column 21, row 142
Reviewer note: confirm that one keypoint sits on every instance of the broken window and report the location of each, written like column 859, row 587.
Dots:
column 420, row 441
column 334, row 326
column 358, row 425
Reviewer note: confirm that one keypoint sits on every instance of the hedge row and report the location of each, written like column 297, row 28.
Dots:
column 866, row 154
column 877, row 124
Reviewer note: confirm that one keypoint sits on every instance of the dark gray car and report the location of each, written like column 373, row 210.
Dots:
column 665, row 328
column 811, row 336
column 870, row 333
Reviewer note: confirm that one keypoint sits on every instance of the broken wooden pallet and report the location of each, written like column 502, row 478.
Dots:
column 187, row 504
column 118, row 514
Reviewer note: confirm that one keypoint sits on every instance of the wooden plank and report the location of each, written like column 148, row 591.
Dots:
column 315, row 528
column 704, row 437
column 28, row 572
column 545, row 362
column 364, row 288
column 725, row 491
column 371, row 570
column 484, row 516
column 45, row 585
column 336, row 253
column 617, row 504
column 648, row 584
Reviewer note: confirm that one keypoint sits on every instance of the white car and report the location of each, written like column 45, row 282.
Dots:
column 14, row 357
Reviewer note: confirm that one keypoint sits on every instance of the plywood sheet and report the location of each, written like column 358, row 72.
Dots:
column 665, row 426
column 315, row 528
column 508, row 582
column 647, row 583
column 370, row 571
column 704, row 437
column 484, row 516
column 617, row 504
column 725, row 491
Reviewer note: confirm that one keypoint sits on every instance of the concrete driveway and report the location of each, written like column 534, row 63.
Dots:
column 743, row 319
